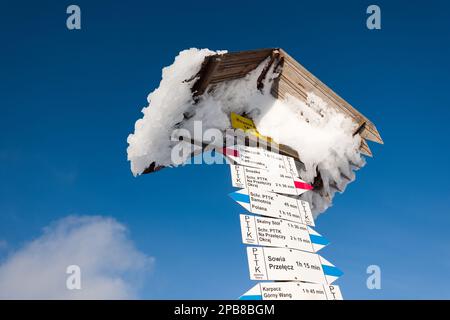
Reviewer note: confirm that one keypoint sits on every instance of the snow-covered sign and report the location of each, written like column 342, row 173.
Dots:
column 243, row 177
column 274, row 205
column 292, row 291
column 262, row 159
column 280, row 233
column 247, row 125
column 287, row 264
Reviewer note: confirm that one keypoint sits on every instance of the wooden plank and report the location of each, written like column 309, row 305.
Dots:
column 248, row 54
column 284, row 89
column 288, row 84
column 241, row 68
column 225, row 67
column 364, row 148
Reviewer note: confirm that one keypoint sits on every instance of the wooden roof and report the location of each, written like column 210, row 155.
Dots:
column 293, row 79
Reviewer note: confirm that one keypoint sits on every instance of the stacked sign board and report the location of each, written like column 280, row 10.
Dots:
column 283, row 245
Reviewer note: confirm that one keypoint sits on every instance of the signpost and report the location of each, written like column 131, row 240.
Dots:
column 262, row 159
column 261, row 179
column 280, row 233
column 292, row 291
column 274, row 205
column 284, row 246
column 287, row 264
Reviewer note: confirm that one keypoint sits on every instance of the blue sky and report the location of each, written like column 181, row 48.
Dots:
column 69, row 99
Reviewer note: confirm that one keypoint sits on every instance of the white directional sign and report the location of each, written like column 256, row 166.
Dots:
column 243, row 177
column 274, row 205
column 292, row 291
column 280, row 233
column 262, row 159
column 284, row 246
column 287, row 264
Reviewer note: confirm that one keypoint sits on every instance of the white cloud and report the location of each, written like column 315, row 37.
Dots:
column 111, row 266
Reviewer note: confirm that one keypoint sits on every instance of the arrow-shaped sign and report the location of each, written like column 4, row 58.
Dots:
column 274, row 205
column 243, row 177
column 292, row 291
column 290, row 265
column 280, row 233
column 262, row 159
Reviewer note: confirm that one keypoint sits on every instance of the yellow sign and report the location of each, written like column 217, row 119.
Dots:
column 247, row 125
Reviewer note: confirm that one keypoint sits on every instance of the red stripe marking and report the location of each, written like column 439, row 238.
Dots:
column 302, row 185
column 230, row 152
